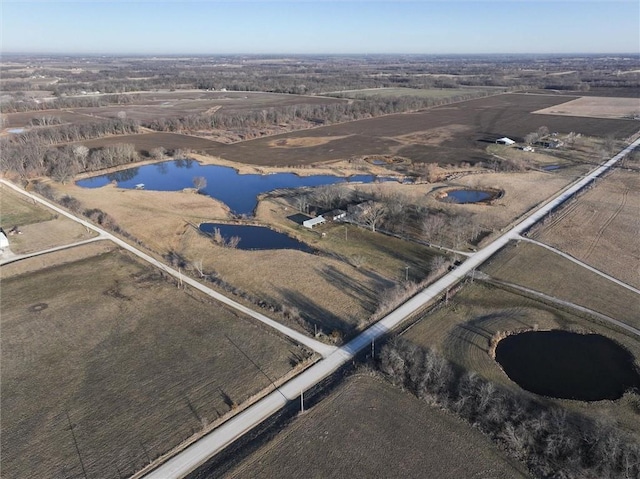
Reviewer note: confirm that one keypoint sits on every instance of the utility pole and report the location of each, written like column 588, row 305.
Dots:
column 406, row 273
column 75, row 443
column 301, row 401
column 373, row 349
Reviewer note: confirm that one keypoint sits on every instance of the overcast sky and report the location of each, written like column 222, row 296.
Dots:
column 258, row 27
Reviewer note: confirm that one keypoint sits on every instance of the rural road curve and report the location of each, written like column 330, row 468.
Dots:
column 199, row 452
column 324, row 349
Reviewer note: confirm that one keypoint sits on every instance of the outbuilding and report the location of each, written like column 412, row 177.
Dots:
column 313, row 222
column 505, row 141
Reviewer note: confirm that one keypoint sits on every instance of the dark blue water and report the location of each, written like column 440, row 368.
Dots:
column 239, row 192
column 561, row 364
column 256, row 237
column 467, row 196
column 551, row 167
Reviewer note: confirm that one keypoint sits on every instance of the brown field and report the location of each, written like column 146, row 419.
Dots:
column 449, row 134
column 135, row 365
column 463, row 331
column 149, row 106
column 602, row 227
column 596, row 107
column 537, row 268
column 484, row 120
column 367, row 428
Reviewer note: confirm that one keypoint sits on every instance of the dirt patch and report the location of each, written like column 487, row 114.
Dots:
column 434, row 136
column 597, row 107
column 134, row 373
column 362, row 429
column 302, row 142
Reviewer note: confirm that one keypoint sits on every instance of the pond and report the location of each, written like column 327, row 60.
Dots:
column 467, row 196
column 561, row 364
column 256, row 237
column 239, row 192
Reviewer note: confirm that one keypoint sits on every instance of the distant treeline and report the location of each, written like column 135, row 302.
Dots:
column 28, row 104
column 550, row 441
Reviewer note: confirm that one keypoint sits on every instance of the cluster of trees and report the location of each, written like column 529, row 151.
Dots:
column 551, row 442
column 71, row 133
column 312, row 113
column 19, row 104
column 37, row 159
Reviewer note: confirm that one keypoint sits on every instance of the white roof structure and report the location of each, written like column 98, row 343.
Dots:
column 505, row 141
column 4, row 241
column 313, row 222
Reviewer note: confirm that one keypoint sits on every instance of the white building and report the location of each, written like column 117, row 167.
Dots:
column 505, row 141
column 4, row 241
column 310, row 223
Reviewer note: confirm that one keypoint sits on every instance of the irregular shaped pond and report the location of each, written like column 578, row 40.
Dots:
column 256, row 237
column 238, row 191
column 467, row 196
column 561, row 364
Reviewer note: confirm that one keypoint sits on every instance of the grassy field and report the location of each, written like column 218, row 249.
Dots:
column 464, row 329
column 367, row 428
column 602, row 227
column 106, row 353
column 537, row 268
column 17, row 210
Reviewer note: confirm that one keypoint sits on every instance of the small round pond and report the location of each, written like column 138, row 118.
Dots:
column 561, row 364
column 467, row 196
column 256, row 237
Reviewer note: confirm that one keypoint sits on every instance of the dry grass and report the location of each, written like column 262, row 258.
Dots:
column 602, row 228
column 135, row 364
column 464, row 331
column 367, row 428
column 17, row 210
column 537, row 268
column 303, row 142
column 596, row 107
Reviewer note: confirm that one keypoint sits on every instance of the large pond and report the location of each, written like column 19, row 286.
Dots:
column 237, row 191
column 256, row 237
column 561, row 364
column 467, row 196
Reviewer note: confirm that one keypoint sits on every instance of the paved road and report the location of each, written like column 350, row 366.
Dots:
column 198, row 453
column 324, row 349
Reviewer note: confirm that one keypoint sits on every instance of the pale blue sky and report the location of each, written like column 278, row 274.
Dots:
column 218, row 27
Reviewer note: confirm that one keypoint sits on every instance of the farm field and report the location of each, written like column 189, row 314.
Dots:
column 532, row 266
column 464, row 330
column 17, row 210
column 106, row 353
column 464, row 130
column 367, row 428
column 596, row 107
column 148, row 106
column 602, row 227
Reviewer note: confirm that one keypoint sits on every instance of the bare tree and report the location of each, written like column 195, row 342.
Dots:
column 371, row 213
column 432, row 226
column 157, row 153
column 199, row 182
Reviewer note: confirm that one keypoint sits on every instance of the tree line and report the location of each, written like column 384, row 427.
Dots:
column 549, row 440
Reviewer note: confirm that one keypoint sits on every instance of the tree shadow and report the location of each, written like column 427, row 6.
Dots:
column 315, row 314
column 358, row 290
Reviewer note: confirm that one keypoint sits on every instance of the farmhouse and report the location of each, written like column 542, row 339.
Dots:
column 505, row 141
column 334, row 215
column 313, row 222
